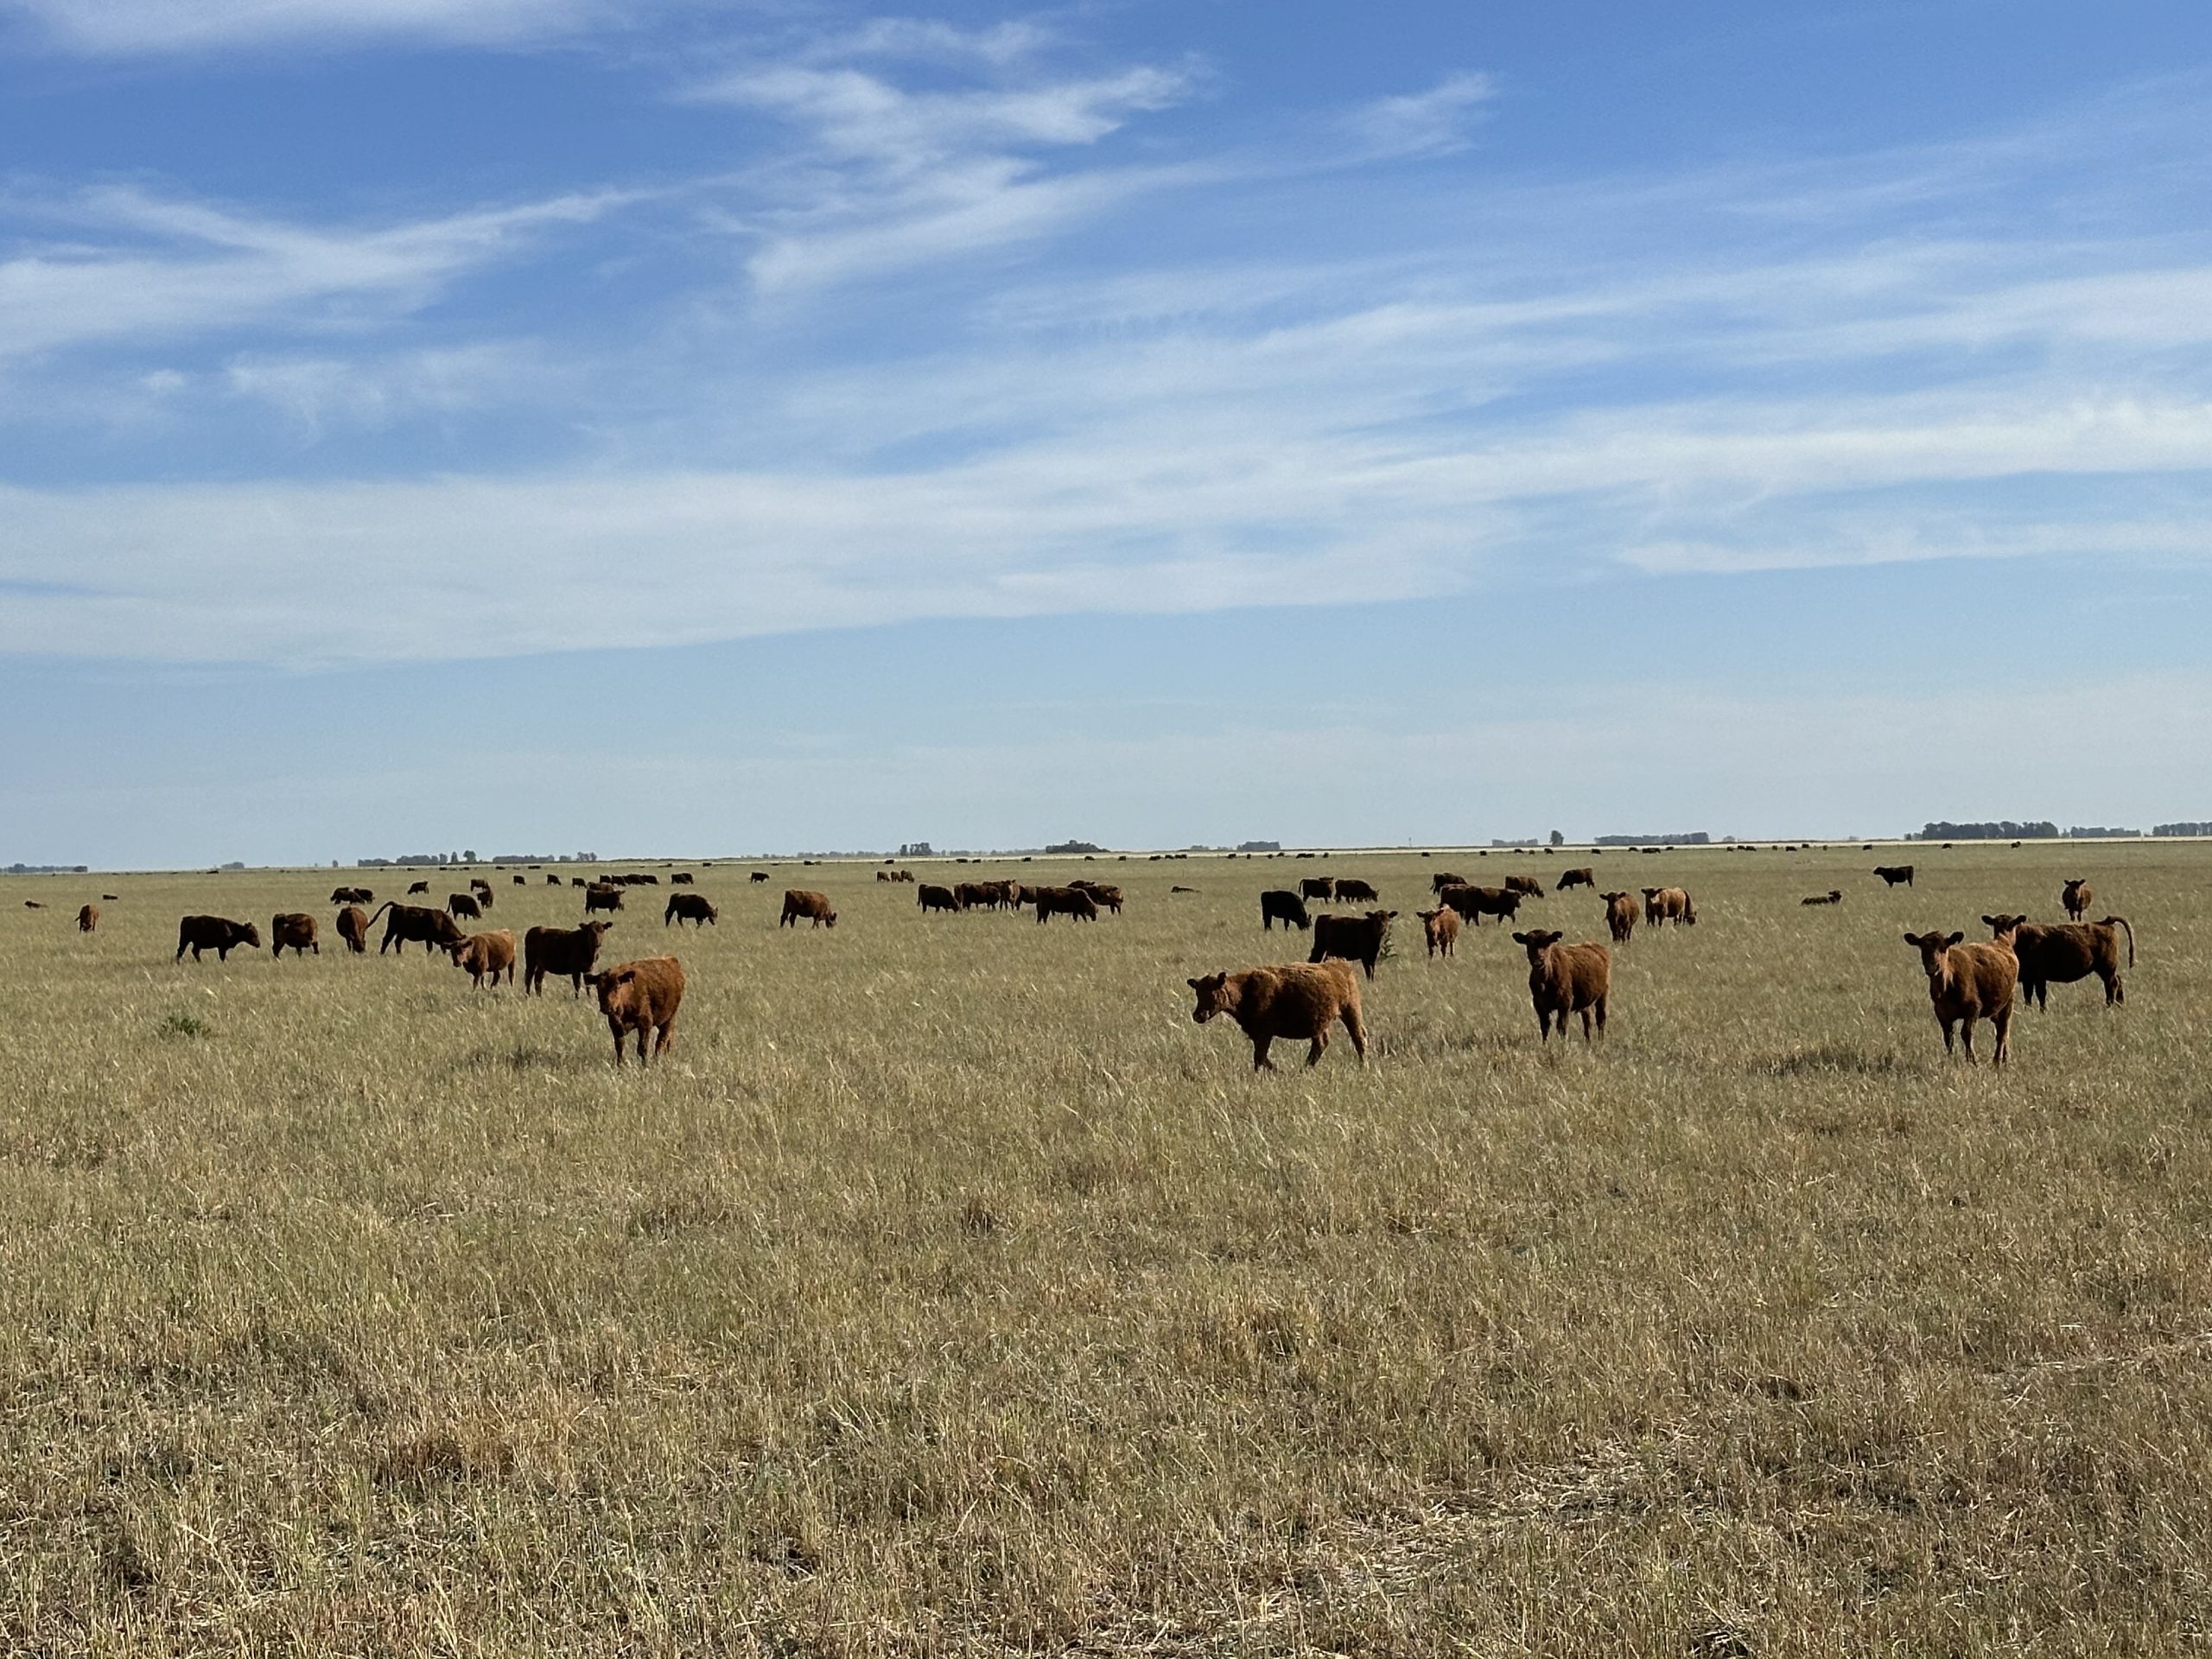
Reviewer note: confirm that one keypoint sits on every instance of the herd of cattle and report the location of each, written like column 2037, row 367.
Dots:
column 1966, row 982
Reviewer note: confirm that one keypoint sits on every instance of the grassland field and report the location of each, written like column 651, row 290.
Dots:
column 947, row 1290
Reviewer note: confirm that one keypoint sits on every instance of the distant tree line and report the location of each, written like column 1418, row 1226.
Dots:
column 2002, row 829
column 1681, row 838
column 2200, row 827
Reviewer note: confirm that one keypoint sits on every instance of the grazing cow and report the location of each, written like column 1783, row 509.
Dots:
column 522, row 881
column 88, row 919
column 411, row 924
column 483, row 954
column 463, row 903
column 418, row 886
column 1350, row 890
column 600, row 896
column 552, row 880
column 1295, row 1000
column 2077, row 898
column 1967, row 982
column 1317, row 886
column 353, row 928
column 1527, row 885
column 1565, row 979
column 1620, row 916
column 579, row 881
column 1831, row 897
column 2059, row 953
column 758, row 876
column 681, row 878
column 883, row 876
column 1668, row 904
column 198, row 934
column 1103, row 894
column 980, row 895
column 568, row 951
column 641, row 996
column 1585, row 877
column 1356, row 938
column 1440, row 927
column 295, row 929
column 930, row 896
column 798, row 902
column 478, row 884
column 1475, row 903
column 1444, row 879
column 907, row 876
column 352, row 895
column 1280, row 905
column 1064, row 901
column 1895, row 875
column 692, row 907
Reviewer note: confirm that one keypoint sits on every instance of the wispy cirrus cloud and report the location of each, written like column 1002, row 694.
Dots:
column 146, row 28
column 123, row 263
column 1434, row 122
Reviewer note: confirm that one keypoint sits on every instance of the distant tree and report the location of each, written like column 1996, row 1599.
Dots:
column 1558, row 840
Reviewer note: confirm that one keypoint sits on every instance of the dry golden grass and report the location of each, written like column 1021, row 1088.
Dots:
column 948, row 1291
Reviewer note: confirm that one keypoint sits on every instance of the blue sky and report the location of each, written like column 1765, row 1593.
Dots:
column 674, row 424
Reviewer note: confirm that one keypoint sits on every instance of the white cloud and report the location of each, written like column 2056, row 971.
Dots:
column 1432, row 123
column 131, row 28
column 165, row 269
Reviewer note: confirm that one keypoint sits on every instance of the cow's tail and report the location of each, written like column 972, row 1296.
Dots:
column 380, row 911
column 2122, row 922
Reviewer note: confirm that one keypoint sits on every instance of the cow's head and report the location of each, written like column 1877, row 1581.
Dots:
column 1538, row 940
column 1212, row 993
column 1935, row 952
column 2002, row 928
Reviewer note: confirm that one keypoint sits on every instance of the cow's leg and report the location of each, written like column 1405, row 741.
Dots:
column 1585, row 1022
column 1965, row 1035
column 1320, row 1042
column 1368, row 963
column 667, row 1032
column 1945, row 1021
column 1260, row 1060
column 2114, row 990
column 2002, row 1019
column 1601, row 1006
column 1357, row 1030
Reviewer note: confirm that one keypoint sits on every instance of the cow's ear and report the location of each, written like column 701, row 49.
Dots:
column 1993, row 921
column 1913, row 939
column 1954, row 938
column 1519, row 938
column 1196, row 984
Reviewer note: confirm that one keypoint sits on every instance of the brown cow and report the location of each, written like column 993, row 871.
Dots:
column 602, row 896
column 198, row 934
column 1668, row 904
column 1566, row 979
column 412, row 924
column 295, row 929
column 1833, row 896
column 883, row 876
column 352, row 895
column 1356, row 938
column 353, row 928
column 486, row 953
column 1444, row 879
column 1475, row 903
column 2077, row 898
column 1620, row 916
column 681, row 878
column 88, row 919
column 692, row 907
column 1351, row 890
column 1317, row 886
column 980, row 895
column 418, row 886
column 930, row 896
column 907, row 876
column 2059, row 953
column 641, row 996
column 1440, row 927
column 1527, row 885
column 1967, row 982
column 1103, row 894
column 1293, row 1001
column 797, row 902
column 1585, row 877
column 562, row 951
column 1064, row 901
